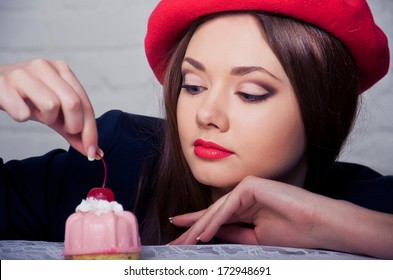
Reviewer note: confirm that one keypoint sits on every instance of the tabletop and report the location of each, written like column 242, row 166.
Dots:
column 42, row 250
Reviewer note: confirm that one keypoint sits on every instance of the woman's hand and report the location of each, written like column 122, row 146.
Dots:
column 257, row 211
column 266, row 212
column 49, row 92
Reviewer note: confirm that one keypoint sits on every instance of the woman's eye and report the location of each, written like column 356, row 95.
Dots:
column 193, row 89
column 253, row 98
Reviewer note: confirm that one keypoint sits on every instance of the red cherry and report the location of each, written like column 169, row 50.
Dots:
column 101, row 193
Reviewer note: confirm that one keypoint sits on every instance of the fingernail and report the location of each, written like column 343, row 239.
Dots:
column 99, row 154
column 170, row 220
column 198, row 238
column 91, row 153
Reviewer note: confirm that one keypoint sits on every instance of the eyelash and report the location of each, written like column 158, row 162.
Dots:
column 189, row 88
column 254, row 98
column 246, row 97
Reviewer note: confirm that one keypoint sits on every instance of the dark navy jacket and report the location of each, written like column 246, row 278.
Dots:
column 38, row 194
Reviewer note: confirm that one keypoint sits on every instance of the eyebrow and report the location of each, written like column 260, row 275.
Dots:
column 236, row 71
column 196, row 64
column 244, row 70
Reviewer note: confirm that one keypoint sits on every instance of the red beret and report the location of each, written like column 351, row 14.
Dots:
column 350, row 21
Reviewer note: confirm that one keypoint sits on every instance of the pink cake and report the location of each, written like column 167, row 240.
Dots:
column 100, row 229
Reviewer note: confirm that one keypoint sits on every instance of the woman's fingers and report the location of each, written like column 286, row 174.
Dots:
column 204, row 224
column 24, row 97
column 43, row 103
column 13, row 104
column 238, row 206
column 187, row 220
column 237, row 234
column 232, row 233
column 49, row 92
column 181, row 240
column 193, row 220
column 198, row 220
column 73, row 98
column 77, row 111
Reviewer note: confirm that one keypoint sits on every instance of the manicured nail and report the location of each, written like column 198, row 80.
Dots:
column 91, row 153
column 99, row 154
column 170, row 220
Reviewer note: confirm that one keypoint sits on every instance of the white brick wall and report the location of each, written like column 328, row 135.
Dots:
column 371, row 142
column 102, row 41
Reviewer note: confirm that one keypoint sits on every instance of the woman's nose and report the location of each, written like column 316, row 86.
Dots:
column 212, row 112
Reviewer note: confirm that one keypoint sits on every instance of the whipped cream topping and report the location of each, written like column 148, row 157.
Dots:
column 98, row 206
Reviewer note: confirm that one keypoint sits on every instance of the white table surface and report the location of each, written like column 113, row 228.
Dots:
column 41, row 250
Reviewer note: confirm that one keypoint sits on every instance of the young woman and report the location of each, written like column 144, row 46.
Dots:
column 259, row 97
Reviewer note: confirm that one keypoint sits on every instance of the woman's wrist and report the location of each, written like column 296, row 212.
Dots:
column 344, row 226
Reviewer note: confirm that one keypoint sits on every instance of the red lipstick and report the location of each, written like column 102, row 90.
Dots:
column 210, row 150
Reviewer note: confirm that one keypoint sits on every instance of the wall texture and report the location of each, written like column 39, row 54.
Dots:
column 102, row 41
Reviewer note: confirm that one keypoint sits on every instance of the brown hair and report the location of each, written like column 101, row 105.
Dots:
column 325, row 80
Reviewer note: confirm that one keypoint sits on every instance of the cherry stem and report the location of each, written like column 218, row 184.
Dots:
column 105, row 172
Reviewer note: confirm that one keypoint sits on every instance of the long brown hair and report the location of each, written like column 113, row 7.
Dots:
column 325, row 80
